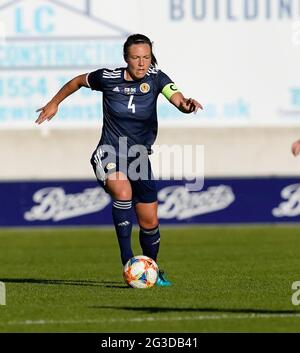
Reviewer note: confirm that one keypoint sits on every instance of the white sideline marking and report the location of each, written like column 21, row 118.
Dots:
column 139, row 319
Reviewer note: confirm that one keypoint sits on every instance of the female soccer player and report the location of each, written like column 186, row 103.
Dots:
column 120, row 161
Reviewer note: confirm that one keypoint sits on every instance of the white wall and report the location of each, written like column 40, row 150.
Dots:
column 50, row 154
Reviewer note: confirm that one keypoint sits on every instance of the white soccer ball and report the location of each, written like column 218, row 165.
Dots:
column 140, row 272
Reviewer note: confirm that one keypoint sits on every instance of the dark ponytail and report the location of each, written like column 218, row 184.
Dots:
column 138, row 39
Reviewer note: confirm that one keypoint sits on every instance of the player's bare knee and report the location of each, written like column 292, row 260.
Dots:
column 148, row 223
column 123, row 195
column 119, row 190
column 120, row 193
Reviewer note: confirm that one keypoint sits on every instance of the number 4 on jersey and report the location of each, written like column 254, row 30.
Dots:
column 131, row 105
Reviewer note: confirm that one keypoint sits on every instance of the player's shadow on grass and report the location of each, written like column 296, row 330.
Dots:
column 157, row 310
column 68, row 282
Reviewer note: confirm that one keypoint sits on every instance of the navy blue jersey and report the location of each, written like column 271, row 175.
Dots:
column 129, row 107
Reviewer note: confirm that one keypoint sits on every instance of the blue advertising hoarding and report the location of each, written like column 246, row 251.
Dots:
column 84, row 203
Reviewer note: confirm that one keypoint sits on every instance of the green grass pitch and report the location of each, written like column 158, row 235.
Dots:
column 224, row 280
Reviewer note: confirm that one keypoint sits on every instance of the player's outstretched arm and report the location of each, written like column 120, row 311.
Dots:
column 185, row 105
column 296, row 148
column 48, row 111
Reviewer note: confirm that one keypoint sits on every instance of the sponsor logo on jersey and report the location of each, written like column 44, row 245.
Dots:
column 145, row 88
column 110, row 166
column 130, row 90
column 116, row 89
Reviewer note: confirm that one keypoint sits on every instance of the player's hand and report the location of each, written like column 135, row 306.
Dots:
column 191, row 105
column 47, row 112
column 296, row 148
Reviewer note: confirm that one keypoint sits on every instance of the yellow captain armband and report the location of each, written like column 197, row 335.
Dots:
column 169, row 90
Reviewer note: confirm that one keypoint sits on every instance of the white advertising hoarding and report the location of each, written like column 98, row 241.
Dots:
column 239, row 58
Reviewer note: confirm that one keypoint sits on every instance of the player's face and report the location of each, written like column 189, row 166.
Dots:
column 138, row 60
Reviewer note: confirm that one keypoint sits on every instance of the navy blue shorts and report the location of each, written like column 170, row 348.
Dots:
column 137, row 170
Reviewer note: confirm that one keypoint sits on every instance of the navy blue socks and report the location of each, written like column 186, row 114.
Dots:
column 149, row 240
column 122, row 217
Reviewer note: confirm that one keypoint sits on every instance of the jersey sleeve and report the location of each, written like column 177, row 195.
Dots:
column 94, row 80
column 166, row 86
